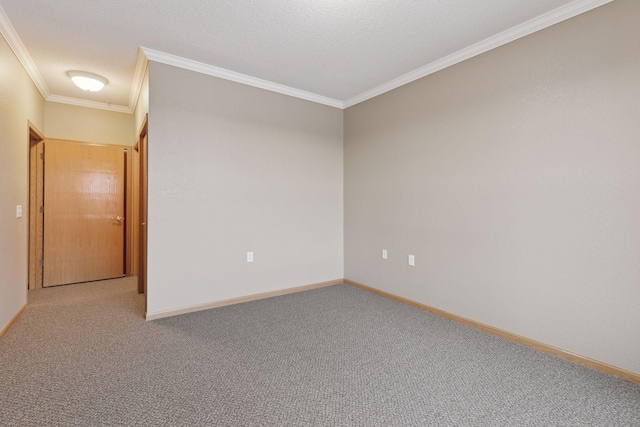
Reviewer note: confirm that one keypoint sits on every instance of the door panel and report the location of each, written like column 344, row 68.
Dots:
column 84, row 191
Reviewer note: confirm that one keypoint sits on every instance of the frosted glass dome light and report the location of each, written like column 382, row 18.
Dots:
column 87, row 81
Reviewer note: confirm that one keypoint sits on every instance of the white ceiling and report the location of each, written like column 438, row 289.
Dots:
column 338, row 52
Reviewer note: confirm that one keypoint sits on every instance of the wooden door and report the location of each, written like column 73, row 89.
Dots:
column 84, row 202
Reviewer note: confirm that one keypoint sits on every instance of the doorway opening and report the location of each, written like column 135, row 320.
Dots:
column 133, row 217
column 140, row 212
column 36, row 206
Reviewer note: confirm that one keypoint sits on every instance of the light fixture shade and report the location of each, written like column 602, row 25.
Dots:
column 87, row 81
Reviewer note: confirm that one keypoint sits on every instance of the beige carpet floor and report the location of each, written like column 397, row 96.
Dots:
column 82, row 355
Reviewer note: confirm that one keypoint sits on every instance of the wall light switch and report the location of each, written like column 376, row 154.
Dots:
column 19, row 211
column 412, row 261
column 384, row 254
column 249, row 256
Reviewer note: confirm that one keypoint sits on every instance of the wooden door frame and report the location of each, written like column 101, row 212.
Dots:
column 128, row 209
column 35, row 143
column 142, row 207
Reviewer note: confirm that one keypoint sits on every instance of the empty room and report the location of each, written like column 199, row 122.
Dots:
column 320, row 212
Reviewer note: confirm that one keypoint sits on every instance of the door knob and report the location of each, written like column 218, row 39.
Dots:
column 118, row 218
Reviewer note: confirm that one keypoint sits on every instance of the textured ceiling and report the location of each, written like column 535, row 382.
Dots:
column 337, row 49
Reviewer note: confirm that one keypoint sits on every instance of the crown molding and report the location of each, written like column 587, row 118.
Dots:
column 145, row 54
column 89, row 104
column 14, row 42
column 199, row 67
column 536, row 24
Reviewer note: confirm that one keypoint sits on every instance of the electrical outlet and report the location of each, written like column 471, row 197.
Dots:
column 249, row 256
column 412, row 261
column 384, row 254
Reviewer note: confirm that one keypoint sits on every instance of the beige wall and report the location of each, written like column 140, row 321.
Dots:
column 514, row 179
column 234, row 169
column 65, row 121
column 20, row 101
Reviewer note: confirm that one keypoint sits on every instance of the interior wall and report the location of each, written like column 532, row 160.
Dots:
column 142, row 105
column 234, row 169
column 513, row 178
column 20, row 102
column 64, row 121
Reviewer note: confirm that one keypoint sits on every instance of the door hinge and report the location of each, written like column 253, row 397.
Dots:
column 41, row 156
column 41, row 263
column 41, row 209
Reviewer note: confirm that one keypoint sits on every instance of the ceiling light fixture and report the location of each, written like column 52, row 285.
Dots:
column 87, row 81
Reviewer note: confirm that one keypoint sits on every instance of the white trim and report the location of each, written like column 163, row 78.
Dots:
column 199, row 67
column 536, row 24
column 14, row 42
column 138, row 80
column 89, row 104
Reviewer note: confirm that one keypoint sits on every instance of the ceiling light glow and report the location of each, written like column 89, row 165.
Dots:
column 87, row 81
